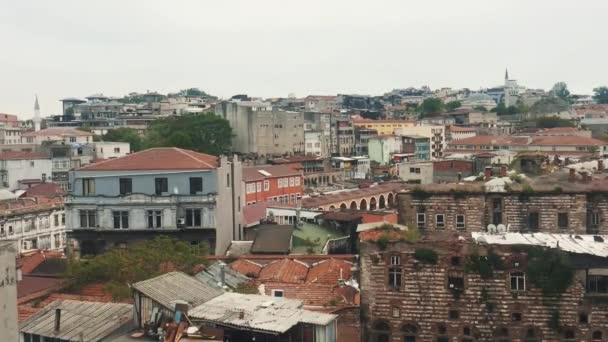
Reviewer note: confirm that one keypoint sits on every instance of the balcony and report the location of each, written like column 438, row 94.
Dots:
column 140, row 199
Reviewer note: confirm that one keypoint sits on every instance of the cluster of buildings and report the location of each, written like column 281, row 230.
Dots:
column 337, row 218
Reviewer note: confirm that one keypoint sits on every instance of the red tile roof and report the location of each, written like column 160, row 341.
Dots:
column 572, row 140
column 22, row 155
column 30, row 285
column 284, row 271
column 295, row 159
column 254, row 213
column 29, row 204
column 252, row 173
column 44, row 190
column 462, row 129
column 160, row 158
column 29, row 261
column 50, row 132
column 246, row 267
column 314, row 295
column 329, row 272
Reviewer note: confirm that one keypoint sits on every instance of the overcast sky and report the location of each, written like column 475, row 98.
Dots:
column 64, row 48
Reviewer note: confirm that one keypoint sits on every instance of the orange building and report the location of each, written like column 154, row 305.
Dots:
column 279, row 183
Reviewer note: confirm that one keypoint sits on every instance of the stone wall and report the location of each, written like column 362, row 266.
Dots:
column 484, row 309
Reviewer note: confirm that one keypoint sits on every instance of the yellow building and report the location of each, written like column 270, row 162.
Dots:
column 383, row 127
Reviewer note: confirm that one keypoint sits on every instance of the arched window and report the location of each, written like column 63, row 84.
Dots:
column 532, row 334
column 569, row 335
column 442, row 333
column 381, row 332
column 597, row 336
column 409, row 332
column 467, row 335
column 501, row 335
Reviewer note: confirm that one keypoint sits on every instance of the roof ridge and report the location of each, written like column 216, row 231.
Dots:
column 183, row 151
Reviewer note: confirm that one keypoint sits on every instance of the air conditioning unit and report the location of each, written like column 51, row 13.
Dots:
column 181, row 222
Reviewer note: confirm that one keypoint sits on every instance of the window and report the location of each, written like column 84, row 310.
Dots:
column 414, row 170
column 32, row 163
column 258, row 187
column 583, row 318
column 116, row 149
column 292, row 181
column 596, row 336
column 193, row 217
column 381, row 332
column 250, row 188
column 442, row 333
column 453, row 314
column 569, row 335
column 533, row 220
column 73, row 139
column 562, row 220
column 196, row 185
column 456, row 280
column 161, row 185
column 516, row 316
column 88, row 186
column 421, row 220
column 10, row 230
column 518, row 281
column 297, row 180
column 467, row 335
column 266, row 185
column 532, row 335
column 597, row 284
column 126, row 185
column 396, row 312
column 121, row 219
column 88, row 218
column 63, row 219
column 409, row 332
column 155, row 218
column 228, row 180
column 460, row 222
column 496, row 211
column 593, row 221
column 455, row 261
column 440, row 221
column 56, row 220
column 501, row 335
column 394, row 272
column 277, row 293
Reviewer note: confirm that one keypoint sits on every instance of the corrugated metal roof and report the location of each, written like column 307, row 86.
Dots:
column 212, row 276
column 260, row 313
column 173, row 286
column 93, row 320
column 581, row 244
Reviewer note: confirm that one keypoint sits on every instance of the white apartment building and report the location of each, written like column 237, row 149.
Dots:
column 17, row 166
column 110, row 149
column 34, row 222
column 66, row 135
column 313, row 143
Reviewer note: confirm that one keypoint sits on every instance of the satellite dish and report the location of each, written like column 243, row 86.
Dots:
column 491, row 229
column 501, row 229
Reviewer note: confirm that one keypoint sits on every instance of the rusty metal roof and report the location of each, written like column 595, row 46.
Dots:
column 581, row 244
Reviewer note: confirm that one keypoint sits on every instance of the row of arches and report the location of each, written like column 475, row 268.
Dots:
column 381, row 203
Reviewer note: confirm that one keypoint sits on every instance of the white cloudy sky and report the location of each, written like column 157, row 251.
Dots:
column 64, row 48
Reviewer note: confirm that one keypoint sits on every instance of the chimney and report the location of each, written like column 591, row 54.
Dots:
column 572, row 175
column 503, row 171
column 57, row 319
column 487, row 173
column 600, row 165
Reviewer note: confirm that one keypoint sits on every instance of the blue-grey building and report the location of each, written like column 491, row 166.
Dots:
column 417, row 145
column 160, row 191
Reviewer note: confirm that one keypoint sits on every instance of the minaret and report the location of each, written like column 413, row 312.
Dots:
column 506, row 75
column 36, row 115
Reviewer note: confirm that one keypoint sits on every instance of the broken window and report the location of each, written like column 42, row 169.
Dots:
column 518, row 281
column 533, row 221
column 516, row 316
column 409, row 332
column 597, row 284
column 532, row 334
column 583, row 318
column 569, row 335
column 596, row 336
column 453, row 314
column 442, row 333
column 562, row 220
column 501, row 335
column 456, row 280
column 496, row 211
column 467, row 335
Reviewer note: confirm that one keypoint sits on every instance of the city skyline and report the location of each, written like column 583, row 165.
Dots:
column 271, row 49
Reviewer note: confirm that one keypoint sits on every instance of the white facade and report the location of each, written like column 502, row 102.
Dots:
column 313, row 144
column 10, row 135
column 42, row 227
column 66, row 135
column 109, row 150
column 14, row 170
column 416, row 173
column 8, row 292
column 435, row 133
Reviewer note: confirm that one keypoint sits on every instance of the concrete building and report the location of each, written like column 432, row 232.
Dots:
column 416, row 147
column 435, row 133
column 19, row 166
column 9, row 325
column 109, row 150
column 342, row 137
column 315, row 144
column 34, row 223
column 260, row 129
column 362, row 136
column 161, row 191
column 476, row 100
column 413, row 172
column 316, row 103
column 66, row 135
column 382, row 147
column 459, row 133
column 10, row 135
column 383, row 127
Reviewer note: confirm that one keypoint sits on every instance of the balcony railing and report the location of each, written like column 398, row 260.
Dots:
column 140, row 199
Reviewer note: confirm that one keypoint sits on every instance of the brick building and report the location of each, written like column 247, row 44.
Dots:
column 550, row 203
column 279, row 183
column 432, row 289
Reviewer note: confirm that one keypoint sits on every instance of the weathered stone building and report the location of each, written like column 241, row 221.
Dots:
column 447, row 287
column 543, row 204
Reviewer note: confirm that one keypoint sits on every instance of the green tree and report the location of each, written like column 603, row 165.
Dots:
column 550, row 105
column 206, row 133
column 552, row 122
column 124, row 134
column 600, row 95
column 453, row 105
column 431, row 105
column 560, row 90
column 192, row 92
column 122, row 266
